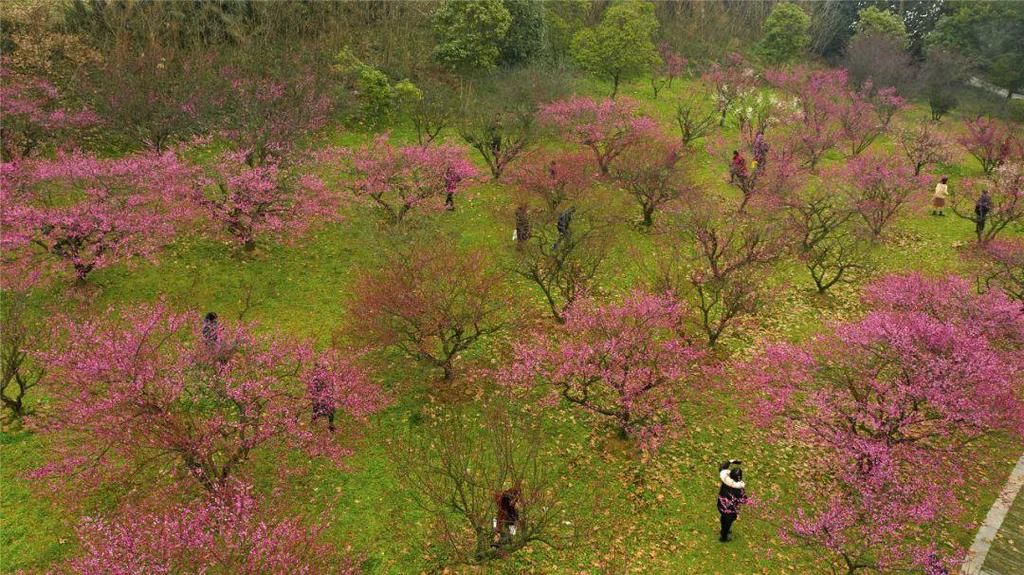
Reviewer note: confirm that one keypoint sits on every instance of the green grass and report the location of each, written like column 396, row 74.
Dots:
column 653, row 518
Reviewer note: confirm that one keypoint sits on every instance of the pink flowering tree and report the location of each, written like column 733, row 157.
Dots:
column 82, row 213
column 670, row 66
column 651, row 172
column 623, row 362
column 230, row 530
column 269, row 115
column 247, row 203
column 552, row 178
column 729, row 80
column 878, row 187
column 606, row 127
column 887, row 402
column 146, row 395
column 989, row 141
column 34, row 115
column 924, row 146
column 1006, row 201
column 819, row 98
column 865, row 116
column 398, row 180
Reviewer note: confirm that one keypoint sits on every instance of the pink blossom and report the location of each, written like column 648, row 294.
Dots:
column 607, row 127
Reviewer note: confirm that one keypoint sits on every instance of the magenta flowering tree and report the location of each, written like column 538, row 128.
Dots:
column 820, row 95
column 83, row 213
column 924, row 146
column 247, row 203
column 878, row 188
column 33, row 115
column 269, row 115
column 670, row 66
column 230, row 530
column 990, row 141
column 866, row 115
column 145, row 395
column 398, row 180
column 625, row 362
column 651, row 172
column 607, row 127
column 887, row 402
column 729, row 80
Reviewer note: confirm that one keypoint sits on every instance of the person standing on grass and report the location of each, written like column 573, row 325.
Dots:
column 211, row 330
column 738, row 167
column 939, row 197
column 981, row 209
column 506, row 524
column 731, row 494
column 760, row 148
column 451, row 179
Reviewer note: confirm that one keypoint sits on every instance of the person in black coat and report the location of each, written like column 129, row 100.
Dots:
column 981, row 210
column 731, row 494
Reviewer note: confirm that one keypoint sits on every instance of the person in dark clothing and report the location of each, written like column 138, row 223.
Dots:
column 552, row 173
column 451, row 179
column 522, row 232
column 981, row 210
column 731, row 495
column 564, row 219
column 323, row 405
column 760, row 150
column 506, row 524
column 211, row 330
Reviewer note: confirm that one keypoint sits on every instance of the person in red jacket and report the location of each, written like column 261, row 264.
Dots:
column 738, row 166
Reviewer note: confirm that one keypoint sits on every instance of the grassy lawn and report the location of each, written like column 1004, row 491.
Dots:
column 654, row 517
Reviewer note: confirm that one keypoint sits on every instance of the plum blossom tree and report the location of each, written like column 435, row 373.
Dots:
column 989, row 141
column 248, row 203
column 866, row 115
column 228, row 530
column 695, row 117
column 84, row 213
column 399, row 180
column 651, row 173
column 729, row 80
column 887, row 401
column 18, row 371
column 670, row 66
column 433, row 302
column 606, row 127
column 878, row 188
column 1006, row 190
column 268, row 114
column 623, row 362
column 144, row 396
column 924, row 146
column 34, row 115
column 819, row 98
column 554, row 179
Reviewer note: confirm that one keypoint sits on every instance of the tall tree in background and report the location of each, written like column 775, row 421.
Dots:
column 470, row 34
column 785, row 34
column 621, row 47
column 991, row 34
column 527, row 34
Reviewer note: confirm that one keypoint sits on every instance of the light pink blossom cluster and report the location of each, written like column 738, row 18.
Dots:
column 400, row 179
column 607, row 127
